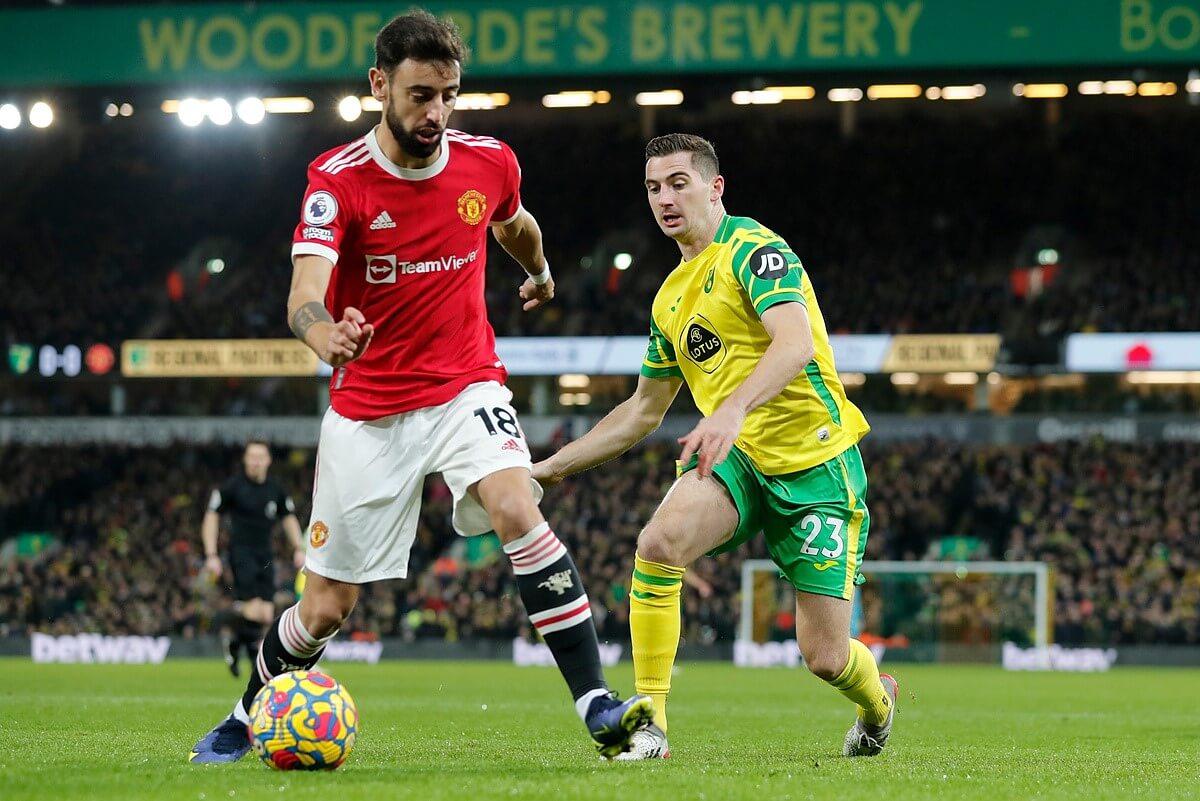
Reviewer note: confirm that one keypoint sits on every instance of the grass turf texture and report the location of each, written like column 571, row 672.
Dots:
column 124, row 732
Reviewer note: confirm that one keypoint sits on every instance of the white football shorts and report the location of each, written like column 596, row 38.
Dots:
column 370, row 476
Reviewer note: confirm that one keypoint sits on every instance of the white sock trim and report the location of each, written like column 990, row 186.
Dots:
column 240, row 712
column 527, row 539
column 584, row 701
column 296, row 638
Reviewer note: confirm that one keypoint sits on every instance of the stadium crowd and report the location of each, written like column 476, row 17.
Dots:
column 1119, row 524
column 911, row 225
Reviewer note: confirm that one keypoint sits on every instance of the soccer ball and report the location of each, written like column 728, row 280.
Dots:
column 303, row 720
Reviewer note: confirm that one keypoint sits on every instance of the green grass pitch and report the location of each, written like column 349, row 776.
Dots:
column 486, row 730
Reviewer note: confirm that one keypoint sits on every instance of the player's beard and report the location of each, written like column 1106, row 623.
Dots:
column 408, row 140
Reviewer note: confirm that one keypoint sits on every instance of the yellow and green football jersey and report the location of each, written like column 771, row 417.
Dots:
column 705, row 327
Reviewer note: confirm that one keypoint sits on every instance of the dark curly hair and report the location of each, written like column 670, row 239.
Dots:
column 420, row 36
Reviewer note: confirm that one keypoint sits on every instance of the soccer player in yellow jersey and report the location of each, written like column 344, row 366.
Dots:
column 776, row 451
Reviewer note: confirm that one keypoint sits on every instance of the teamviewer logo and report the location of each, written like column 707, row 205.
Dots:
column 381, row 269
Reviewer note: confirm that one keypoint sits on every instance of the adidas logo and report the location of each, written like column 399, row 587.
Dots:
column 511, row 445
column 384, row 220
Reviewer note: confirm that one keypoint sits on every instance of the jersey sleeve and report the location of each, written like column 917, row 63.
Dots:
column 769, row 273
column 510, row 202
column 325, row 217
column 285, row 503
column 660, row 361
column 220, row 498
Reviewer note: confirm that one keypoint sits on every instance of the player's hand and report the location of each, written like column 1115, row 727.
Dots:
column 536, row 295
column 712, row 438
column 700, row 585
column 213, row 565
column 349, row 338
column 298, row 558
column 543, row 475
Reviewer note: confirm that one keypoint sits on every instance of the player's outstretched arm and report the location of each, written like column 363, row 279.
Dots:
column 623, row 427
column 521, row 238
column 790, row 351
column 334, row 343
column 291, row 527
column 208, row 535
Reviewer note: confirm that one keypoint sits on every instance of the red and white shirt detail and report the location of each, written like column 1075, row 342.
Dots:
column 409, row 249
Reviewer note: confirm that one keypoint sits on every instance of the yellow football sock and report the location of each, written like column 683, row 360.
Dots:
column 654, row 629
column 860, row 683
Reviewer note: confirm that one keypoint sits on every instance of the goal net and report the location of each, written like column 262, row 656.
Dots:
column 911, row 611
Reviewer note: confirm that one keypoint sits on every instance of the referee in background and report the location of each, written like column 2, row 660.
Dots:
column 254, row 502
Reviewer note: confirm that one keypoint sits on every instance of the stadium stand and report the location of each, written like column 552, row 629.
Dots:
column 1120, row 525
column 911, row 225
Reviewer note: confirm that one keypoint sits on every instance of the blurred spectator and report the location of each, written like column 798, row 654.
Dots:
column 1119, row 523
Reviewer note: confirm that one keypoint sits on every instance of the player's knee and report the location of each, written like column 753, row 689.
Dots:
column 825, row 664
column 325, row 613
column 514, row 517
column 662, row 544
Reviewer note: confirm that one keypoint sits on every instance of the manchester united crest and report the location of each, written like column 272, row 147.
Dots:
column 471, row 207
column 319, row 534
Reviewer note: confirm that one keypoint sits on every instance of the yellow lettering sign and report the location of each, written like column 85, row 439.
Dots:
column 234, row 53
column 498, row 38
column 363, row 29
column 902, row 24
column 822, row 30
column 327, row 41
column 539, row 33
column 726, row 33
column 687, row 26
column 594, row 48
column 1177, row 26
column 166, row 41
column 525, row 38
column 861, row 21
column 293, row 38
column 772, row 33
column 649, row 40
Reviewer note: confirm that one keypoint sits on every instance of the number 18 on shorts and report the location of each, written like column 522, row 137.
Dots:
column 371, row 473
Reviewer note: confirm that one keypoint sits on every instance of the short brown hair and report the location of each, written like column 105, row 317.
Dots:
column 420, row 36
column 704, row 155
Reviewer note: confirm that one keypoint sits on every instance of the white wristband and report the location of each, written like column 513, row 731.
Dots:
column 541, row 277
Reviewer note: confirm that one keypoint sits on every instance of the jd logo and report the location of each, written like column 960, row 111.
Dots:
column 702, row 344
column 768, row 264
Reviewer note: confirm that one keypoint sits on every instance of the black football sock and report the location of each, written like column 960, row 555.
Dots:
column 287, row 646
column 558, row 608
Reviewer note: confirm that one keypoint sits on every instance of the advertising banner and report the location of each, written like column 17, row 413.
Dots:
column 1118, row 353
column 230, row 43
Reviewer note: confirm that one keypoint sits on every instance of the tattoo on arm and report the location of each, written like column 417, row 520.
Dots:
column 307, row 316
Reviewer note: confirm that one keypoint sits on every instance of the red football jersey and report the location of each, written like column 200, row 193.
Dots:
column 409, row 249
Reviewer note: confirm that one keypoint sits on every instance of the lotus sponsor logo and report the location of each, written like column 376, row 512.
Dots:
column 702, row 344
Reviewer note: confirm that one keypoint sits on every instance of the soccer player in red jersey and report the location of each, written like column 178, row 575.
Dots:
column 388, row 288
